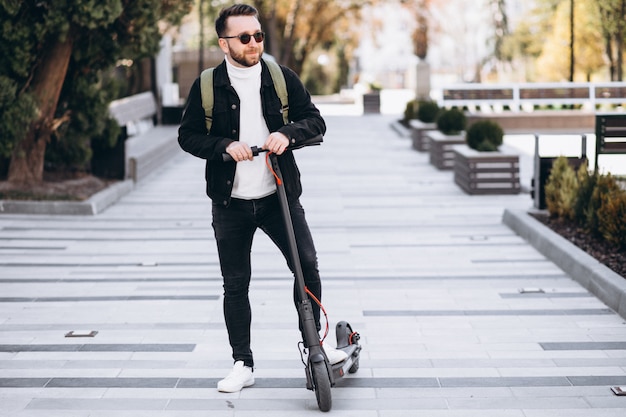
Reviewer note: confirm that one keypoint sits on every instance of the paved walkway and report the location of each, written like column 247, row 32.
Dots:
column 428, row 275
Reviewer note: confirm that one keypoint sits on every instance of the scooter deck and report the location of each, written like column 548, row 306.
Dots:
column 343, row 367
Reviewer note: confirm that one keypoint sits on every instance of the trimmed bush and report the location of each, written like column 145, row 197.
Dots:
column 427, row 111
column 561, row 189
column 485, row 136
column 451, row 122
column 605, row 185
column 595, row 202
column 410, row 111
column 586, row 184
column 612, row 218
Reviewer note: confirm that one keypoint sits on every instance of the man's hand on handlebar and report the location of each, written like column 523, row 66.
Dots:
column 276, row 142
column 239, row 151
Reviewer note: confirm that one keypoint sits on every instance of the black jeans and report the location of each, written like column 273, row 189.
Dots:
column 234, row 228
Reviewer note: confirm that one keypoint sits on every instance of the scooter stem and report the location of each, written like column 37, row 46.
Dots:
column 305, row 311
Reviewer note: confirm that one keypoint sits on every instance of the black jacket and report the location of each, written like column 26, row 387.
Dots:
column 193, row 136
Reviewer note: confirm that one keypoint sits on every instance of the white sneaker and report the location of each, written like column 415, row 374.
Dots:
column 239, row 378
column 334, row 355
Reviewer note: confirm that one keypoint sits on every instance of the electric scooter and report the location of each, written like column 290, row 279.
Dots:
column 320, row 374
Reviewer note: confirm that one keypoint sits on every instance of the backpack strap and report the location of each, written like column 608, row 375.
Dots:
column 281, row 88
column 206, row 90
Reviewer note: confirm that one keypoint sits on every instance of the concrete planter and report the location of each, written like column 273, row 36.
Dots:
column 486, row 172
column 371, row 102
column 441, row 148
column 418, row 134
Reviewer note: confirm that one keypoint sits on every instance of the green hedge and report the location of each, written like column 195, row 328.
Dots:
column 484, row 136
column 423, row 110
column 593, row 201
column 451, row 121
column 427, row 111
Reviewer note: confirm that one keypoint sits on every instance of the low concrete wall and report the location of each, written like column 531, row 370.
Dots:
column 597, row 278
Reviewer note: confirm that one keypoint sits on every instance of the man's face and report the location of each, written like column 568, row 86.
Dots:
column 237, row 53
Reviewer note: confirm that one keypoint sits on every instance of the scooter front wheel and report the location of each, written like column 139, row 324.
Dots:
column 321, row 382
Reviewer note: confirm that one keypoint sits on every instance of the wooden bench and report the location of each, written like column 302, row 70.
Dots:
column 610, row 135
column 145, row 146
column 539, row 122
column 518, row 96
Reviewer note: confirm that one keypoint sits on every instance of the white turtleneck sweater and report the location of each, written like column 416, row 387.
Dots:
column 253, row 179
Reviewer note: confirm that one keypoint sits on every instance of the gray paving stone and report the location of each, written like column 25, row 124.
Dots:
column 518, row 403
column 97, row 404
column 23, row 382
column 584, row 346
column 50, row 413
column 598, row 411
column 452, row 413
column 99, row 348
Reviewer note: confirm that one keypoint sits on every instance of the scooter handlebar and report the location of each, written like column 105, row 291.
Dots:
column 315, row 140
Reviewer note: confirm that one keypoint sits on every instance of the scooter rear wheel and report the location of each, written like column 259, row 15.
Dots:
column 321, row 382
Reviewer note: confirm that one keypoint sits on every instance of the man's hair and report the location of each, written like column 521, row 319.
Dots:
column 235, row 10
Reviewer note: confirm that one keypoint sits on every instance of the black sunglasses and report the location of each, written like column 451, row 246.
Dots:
column 245, row 38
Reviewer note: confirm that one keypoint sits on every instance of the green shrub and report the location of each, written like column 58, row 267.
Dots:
column 17, row 112
column 605, row 184
column 427, row 111
column 451, row 122
column 561, row 189
column 485, row 135
column 612, row 217
column 586, row 184
column 594, row 201
column 375, row 87
column 410, row 112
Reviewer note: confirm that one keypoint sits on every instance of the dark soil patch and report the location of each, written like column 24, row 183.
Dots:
column 598, row 248
column 61, row 187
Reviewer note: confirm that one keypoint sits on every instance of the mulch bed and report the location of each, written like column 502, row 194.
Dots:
column 598, row 248
column 64, row 187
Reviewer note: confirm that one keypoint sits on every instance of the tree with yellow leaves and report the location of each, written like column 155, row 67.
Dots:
column 554, row 62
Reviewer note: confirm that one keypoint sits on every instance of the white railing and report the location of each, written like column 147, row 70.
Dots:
column 524, row 96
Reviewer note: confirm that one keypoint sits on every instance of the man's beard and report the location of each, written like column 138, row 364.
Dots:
column 245, row 59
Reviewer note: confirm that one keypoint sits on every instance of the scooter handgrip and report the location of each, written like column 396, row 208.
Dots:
column 227, row 158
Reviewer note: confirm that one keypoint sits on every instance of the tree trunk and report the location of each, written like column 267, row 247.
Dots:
column 270, row 26
column 287, row 55
column 620, row 42
column 620, row 60
column 609, row 54
column 27, row 160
